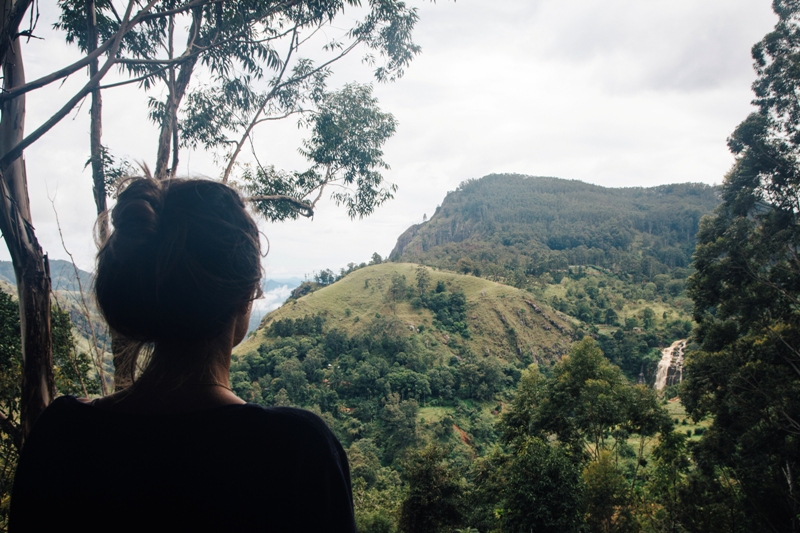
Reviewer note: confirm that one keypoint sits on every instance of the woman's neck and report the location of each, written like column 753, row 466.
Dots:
column 181, row 377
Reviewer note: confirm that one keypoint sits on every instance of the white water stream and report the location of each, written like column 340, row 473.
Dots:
column 670, row 357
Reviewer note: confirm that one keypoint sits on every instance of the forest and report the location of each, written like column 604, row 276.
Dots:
column 438, row 425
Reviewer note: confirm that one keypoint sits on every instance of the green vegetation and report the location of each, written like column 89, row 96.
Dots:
column 520, row 228
column 616, row 260
column 447, row 392
column 494, row 319
column 73, row 375
column 744, row 376
column 397, row 357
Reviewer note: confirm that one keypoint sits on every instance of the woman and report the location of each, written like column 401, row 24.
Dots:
column 178, row 450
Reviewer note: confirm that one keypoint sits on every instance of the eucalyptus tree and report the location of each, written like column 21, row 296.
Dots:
column 240, row 64
column 244, row 64
column 746, row 290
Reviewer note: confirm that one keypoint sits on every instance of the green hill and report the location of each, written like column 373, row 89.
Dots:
column 393, row 351
column 502, row 321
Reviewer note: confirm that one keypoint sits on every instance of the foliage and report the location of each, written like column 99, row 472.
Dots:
column 599, row 255
column 608, row 506
column 744, row 373
column 542, row 489
column 72, row 373
column 581, row 404
column 348, row 131
column 234, row 47
column 392, row 393
column 582, row 417
column 433, row 500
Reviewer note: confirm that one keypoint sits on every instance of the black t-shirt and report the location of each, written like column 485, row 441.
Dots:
column 231, row 468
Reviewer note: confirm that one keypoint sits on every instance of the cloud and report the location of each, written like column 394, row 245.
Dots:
column 270, row 301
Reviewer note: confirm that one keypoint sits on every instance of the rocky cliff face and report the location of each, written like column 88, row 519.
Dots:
column 443, row 228
column 403, row 242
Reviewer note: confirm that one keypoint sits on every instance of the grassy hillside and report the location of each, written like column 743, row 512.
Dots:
column 503, row 321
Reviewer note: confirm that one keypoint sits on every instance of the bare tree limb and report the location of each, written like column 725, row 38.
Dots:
column 57, row 75
column 17, row 150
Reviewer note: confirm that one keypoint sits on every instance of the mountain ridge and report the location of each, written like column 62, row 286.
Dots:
column 530, row 215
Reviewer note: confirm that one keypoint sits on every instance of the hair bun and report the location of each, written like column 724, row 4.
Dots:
column 138, row 210
column 182, row 261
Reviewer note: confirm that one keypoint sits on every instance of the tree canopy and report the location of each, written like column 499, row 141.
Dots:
column 746, row 374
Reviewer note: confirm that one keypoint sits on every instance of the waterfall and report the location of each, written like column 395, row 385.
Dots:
column 670, row 357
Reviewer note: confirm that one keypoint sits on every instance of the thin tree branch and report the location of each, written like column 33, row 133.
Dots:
column 134, row 80
column 271, row 95
column 73, row 350
column 98, row 355
column 250, row 127
column 321, row 186
column 16, row 151
column 281, row 117
column 167, row 62
column 57, row 75
column 296, row 204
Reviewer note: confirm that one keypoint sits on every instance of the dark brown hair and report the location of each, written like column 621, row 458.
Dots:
column 182, row 260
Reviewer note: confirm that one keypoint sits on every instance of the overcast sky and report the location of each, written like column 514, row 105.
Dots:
column 618, row 93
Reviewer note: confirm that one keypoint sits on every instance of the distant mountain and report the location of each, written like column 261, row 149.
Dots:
column 511, row 227
column 272, row 284
column 276, row 291
column 66, row 288
column 62, row 276
column 599, row 254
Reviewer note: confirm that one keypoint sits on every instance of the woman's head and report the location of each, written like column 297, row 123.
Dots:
column 182, row 262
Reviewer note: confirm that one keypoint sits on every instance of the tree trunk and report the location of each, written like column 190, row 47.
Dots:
column 30, row 264
column 123, row 373
column 96, row 129
column 177, row 91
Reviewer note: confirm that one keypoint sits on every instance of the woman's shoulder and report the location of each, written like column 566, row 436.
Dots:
column 287, row 415
column 284, row 423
